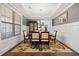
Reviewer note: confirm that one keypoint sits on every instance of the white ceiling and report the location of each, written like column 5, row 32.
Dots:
column 40, row 10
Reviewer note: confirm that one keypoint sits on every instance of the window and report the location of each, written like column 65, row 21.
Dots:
column 6, row 22
column 17, row 24
column 2, row 30
column 10, row 23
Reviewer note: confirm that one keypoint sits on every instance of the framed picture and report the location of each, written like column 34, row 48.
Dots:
column 63, row 18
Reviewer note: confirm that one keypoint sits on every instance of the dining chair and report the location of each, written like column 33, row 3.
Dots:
column 25, row 36
column 53, row 37
column 45, row 38
column 34, row 39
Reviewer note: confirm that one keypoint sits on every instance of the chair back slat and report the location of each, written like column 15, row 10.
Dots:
column 35, row 35
column 44, row 35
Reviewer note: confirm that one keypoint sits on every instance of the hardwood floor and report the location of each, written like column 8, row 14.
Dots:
column 24, row 49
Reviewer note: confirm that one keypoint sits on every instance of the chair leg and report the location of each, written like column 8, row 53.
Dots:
column 48, row 45
column 54, row 41
column 31, row 44
column 24, row 41
column 40, row 46
column 34, row 45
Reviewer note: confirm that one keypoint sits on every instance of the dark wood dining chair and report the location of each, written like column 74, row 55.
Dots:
column 25, row 36
column 53, row 37
column 45, row 38
column 35, row 37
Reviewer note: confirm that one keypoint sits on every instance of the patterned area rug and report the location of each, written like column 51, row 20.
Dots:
column 24, row 49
